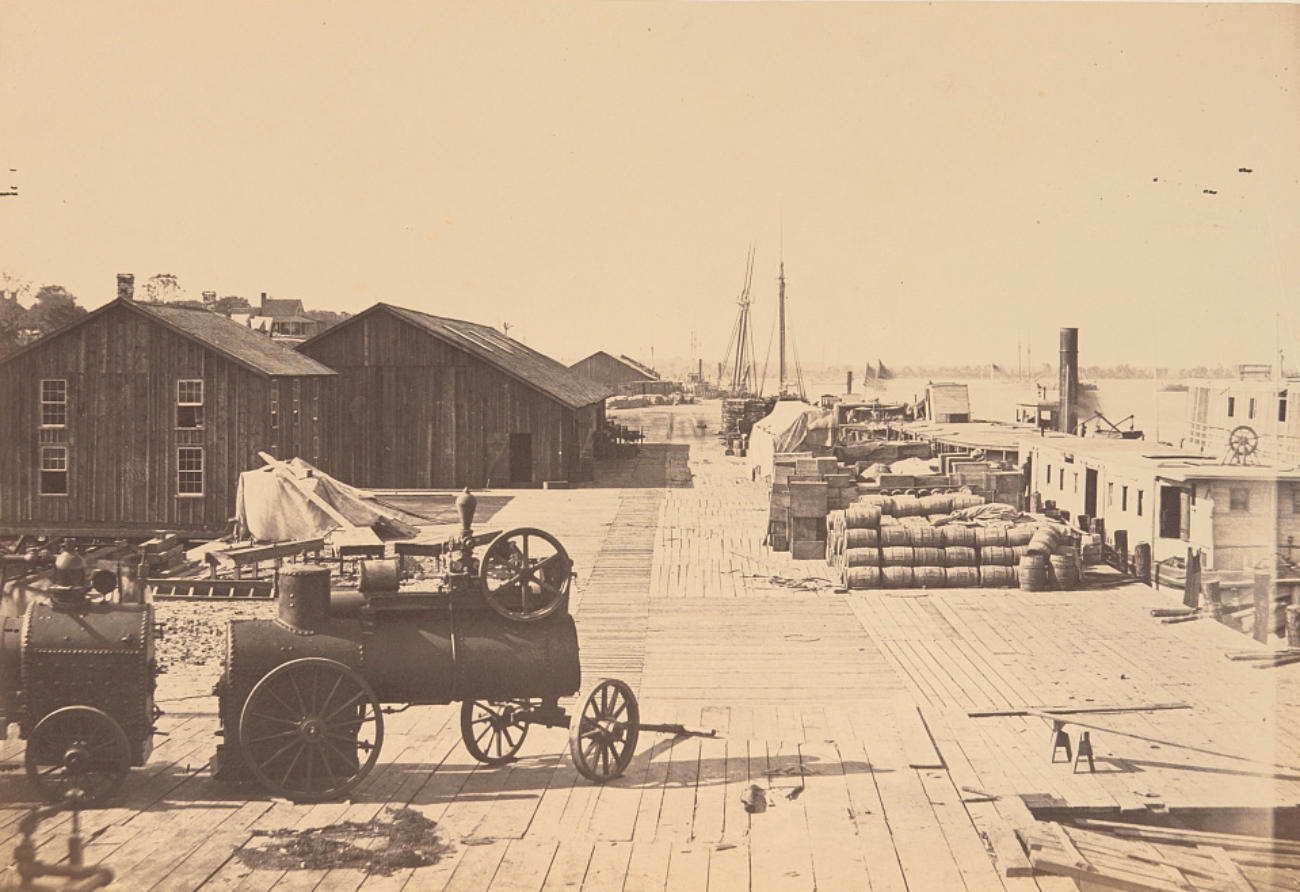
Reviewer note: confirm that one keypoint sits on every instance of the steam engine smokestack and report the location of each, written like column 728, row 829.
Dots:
column 1067, row 415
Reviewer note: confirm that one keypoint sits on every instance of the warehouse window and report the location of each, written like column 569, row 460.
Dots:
column 1141, row 493
column 189, row 403
column 1076, row 482
column 1250, row 408
column 1232, row 405
column 189, row 471
column 1110, row 494
column 54, row 470
column 54, row 402
column 1060, row 483
column 1123, row 498
column 1238, row 499
column 1281, row 406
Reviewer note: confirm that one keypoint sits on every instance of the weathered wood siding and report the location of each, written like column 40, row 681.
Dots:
column 121, row 372
column 414, row 412
column 607, row 369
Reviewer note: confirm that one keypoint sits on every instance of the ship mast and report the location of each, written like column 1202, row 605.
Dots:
column 743, row 379
column 780, row 303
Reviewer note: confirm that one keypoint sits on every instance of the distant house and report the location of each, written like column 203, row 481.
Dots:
column 429, row 402
column 285, row 318
column 623, row 375
column 140, row 417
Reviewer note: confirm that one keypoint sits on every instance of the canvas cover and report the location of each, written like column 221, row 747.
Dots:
column 785, row 429
column 276, row 505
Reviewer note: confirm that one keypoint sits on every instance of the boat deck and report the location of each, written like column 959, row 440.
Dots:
column 849, row 712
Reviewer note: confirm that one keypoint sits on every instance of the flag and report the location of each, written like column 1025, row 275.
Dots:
column 883, row 373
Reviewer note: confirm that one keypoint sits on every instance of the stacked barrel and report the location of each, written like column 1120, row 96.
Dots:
column 907, row 541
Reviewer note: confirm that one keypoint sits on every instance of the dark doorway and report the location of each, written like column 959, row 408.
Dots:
column 1090, row 492
column 521, row 458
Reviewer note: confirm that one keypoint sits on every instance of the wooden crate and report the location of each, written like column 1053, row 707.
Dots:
column 807, row 529
column 808, row 500
column 807, row 550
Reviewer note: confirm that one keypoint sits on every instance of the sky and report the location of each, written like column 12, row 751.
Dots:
column 946, row 183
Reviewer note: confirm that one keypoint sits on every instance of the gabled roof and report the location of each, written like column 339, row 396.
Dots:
column 226, row 337
column 279, row 307
column 515, row 359
column 625, row 361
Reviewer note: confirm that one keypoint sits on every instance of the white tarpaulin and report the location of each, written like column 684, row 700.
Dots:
column 784, row 430
column 286, row 503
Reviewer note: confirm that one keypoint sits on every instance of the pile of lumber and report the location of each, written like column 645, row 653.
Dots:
column 1111, row 855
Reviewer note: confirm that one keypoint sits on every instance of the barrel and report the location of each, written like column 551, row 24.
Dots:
column 997, row 556
column 997, row 577
column 954, row 534
column 862, row 577
column 896, row 577
column 1041, row 543
column 861, row 537
column 963, row 577
column 1032, row 572
column 1019, row 551
column 962, row 500
column 923, row 535
column 886, row 504
column 893, row 535
column 860, row 515
column 927, row 556
column 896, row 556
column 862, row 557
column 937, row 504
column 1020, row 534
column 907, row 506
column 990, row 536
column 1064, row 572
column 960, row 556
column 929, row 577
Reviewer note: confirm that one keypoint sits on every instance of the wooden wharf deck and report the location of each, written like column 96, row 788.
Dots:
column 848, row 711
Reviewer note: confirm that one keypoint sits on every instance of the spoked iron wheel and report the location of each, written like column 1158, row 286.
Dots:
column 81, row 748
column 493, row 731
column 602, row 739
column 311, row 730
column 525, row 574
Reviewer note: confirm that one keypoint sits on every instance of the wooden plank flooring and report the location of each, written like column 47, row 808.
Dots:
column 844, row 716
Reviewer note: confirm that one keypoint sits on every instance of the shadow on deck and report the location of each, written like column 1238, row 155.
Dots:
column 655, row 466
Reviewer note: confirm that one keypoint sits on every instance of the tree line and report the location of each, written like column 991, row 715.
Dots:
column 28, row 313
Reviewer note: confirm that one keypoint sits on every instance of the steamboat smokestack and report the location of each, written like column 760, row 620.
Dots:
column 125, row 286
column 1067, row 415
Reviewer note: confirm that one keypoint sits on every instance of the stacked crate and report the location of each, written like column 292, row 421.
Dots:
column 807, row 519
column 797, row 511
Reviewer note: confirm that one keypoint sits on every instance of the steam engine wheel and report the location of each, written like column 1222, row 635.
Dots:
column 311, row 729
column 81, row 748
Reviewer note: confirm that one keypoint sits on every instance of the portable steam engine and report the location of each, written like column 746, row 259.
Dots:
column 300, row 695
column 77, row 674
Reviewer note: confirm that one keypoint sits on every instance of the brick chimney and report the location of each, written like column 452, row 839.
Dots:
column 125, row 286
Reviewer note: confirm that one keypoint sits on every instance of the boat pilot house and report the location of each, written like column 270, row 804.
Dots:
column 141, row 416
column 426, row 402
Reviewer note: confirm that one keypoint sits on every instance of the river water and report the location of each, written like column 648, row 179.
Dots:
column 1136, row 403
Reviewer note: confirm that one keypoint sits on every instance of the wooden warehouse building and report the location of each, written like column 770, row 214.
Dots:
column 140, row 417
column 619, row 373
column 426, row 402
